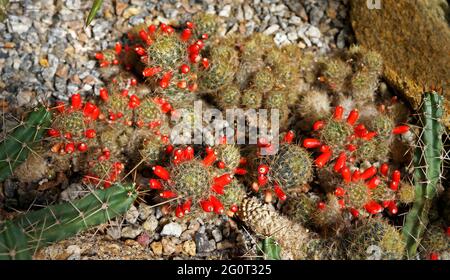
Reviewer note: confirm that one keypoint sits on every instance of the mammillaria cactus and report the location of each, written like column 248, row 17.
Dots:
column 376, row 234
column 197, row 183
column 435, row 244
column 290, row 167
column 339, row 191
column 251, row 73
column 354, row 73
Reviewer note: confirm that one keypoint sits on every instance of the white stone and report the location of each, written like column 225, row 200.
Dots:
column 172, row 229
column 313, row 32
column 281, row 39
column 19, row 24
column 271, row 29
column 225, row 12
column 292, row 36
column 248, row 12
column 150, row 224
column 132, row 215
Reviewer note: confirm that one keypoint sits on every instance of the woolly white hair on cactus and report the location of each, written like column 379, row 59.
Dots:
column 315, row 105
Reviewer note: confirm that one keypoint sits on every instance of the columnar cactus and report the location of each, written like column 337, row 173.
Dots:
column 15, row 147
column 427, row 169
column 36, row 229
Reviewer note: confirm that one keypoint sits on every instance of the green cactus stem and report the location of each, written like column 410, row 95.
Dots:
column 428, row 168
column 14, row 149
column 13, row 243
column 54, row 223
column 270, row 249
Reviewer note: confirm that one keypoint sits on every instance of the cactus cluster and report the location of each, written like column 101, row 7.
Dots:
column 332, row 186
column 104, row 135
column 354, row 73
column 252, row 73
column 340, row 140
column 435, row 244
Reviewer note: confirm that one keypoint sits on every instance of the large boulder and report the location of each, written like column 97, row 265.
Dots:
column 414, row 39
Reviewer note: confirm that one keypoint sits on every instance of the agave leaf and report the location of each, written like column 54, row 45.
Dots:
column 95, row 7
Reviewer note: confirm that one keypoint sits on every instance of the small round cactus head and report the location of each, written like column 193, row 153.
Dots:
column 290, row 167
column 233, row 196
column 224, row 64
column 406, row 193
column 356, row 195
column 150, row 112
column 383, row 193
column 152, row 150
column 256, row 46
column 264, row 80
column 313, row 106
column 335, row 73
column 191, row 183
column 436, row 243
column 328, row 215
column 375, row 238
column 252, row 98
column 382, row 124
column 167, row 51
column 372, row 150
column 74, row 127
column 228, row 97
column 205, row 24
column 228, row 157
column 368, row 60
column 300, row 208
column 364, row 85
column 103, row 169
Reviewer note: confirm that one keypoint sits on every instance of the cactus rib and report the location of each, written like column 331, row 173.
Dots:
column 13, row 243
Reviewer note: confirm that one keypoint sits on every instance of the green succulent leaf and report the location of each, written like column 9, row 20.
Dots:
column 94, row 9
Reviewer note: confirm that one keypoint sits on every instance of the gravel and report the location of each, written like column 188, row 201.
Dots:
column 47, row 51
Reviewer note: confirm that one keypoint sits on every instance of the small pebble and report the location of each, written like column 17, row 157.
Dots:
column 172, row 229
